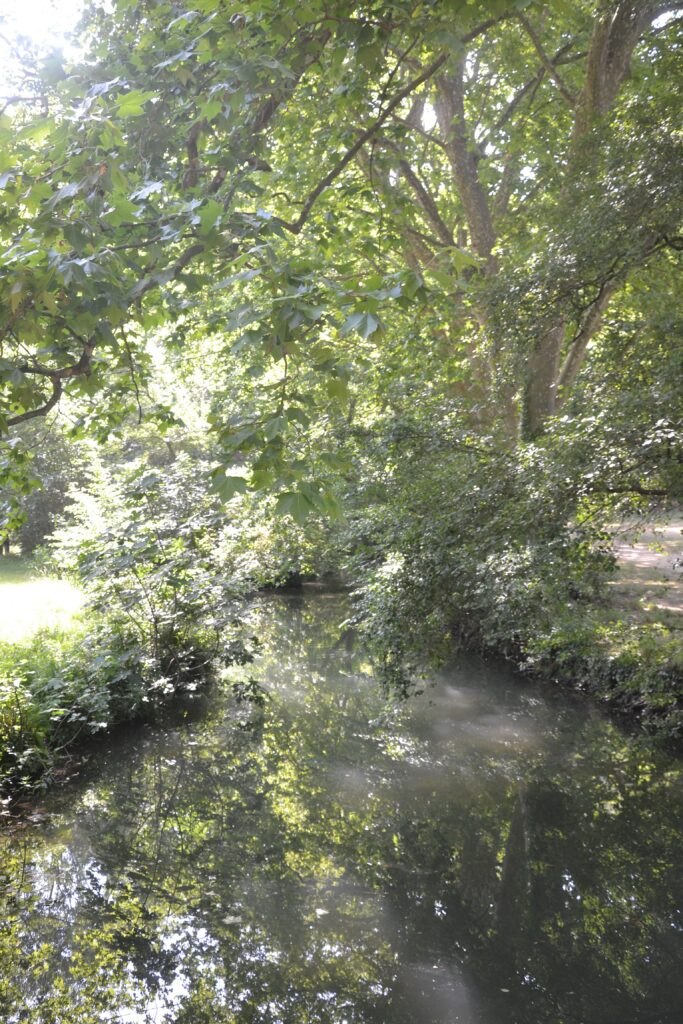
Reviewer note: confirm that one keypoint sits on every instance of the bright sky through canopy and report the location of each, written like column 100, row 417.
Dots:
column 46, row 22
column 36, row 27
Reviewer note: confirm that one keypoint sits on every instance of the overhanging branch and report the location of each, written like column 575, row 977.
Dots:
column 56, row 377
column 546, row 61
column 332, row 175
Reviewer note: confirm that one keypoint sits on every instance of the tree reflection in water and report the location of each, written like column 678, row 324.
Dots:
column 487, row 853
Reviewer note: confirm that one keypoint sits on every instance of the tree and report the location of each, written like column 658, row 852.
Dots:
column 520, row 157
column 445, row 233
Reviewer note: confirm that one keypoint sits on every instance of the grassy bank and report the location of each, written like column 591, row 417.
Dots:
column 38, row 631
column 59, row 688
column 67, row 675
column 633, row 667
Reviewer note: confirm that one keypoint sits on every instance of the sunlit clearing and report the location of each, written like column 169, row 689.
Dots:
column 29, row 603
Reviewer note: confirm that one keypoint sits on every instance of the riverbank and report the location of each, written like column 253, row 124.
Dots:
column 67, row 678
column 627, row 652
column 62, row 681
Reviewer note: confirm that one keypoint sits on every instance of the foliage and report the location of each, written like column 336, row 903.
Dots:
column 516, row 563
column 173, row 177
column 57, row 462
column 161, row 614
column 142, row 540
column 398, row 282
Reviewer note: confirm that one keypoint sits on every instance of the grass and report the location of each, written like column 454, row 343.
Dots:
column 30, row 602
column 65, row 676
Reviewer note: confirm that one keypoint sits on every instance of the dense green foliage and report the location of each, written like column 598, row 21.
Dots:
column 396, row 282
column 161, row 614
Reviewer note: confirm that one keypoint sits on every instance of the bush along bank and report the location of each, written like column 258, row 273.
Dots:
column 546, row 629
column 62, row 688
column 458, row 539
column 517, row 566
column 164, row 611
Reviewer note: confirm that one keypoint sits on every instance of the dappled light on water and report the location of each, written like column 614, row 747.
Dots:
column 489, row 852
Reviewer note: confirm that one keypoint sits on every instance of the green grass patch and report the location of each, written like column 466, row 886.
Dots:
column 30, row 602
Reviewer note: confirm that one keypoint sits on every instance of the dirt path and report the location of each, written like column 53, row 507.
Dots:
column 649, row 586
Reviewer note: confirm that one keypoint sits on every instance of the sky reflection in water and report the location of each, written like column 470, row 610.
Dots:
column 490, row 852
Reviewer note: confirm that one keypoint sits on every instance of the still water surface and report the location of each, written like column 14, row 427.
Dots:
column 489, row 852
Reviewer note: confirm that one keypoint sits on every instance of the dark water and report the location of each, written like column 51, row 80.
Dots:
column 488, row 853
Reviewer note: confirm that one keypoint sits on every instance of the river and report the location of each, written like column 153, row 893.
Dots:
column 490, row 851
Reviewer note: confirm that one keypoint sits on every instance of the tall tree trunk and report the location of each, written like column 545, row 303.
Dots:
column 540, row 392
column 616, row 32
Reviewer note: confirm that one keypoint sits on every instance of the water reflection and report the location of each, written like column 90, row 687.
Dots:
column 488, row 853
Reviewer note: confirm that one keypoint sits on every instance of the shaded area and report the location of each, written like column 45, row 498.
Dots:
column 487, row 853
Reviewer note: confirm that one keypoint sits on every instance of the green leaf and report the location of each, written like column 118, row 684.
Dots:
column 233, row 437
column 563, row 7
column 15, row 294
column 131, row 105
column 294, row 504
column 148, row 189
column 331, row 506
column 210, row 109
column 274, row 427
column 351, row 323
column 67, row 191
column 123, row 209
column 462, row 259
column 364, row 324
column 227, row 486
column 296, row 415
column 209, row 215
column 448, row 282
column 337, row 387
column 53, row 69
column 262, row 479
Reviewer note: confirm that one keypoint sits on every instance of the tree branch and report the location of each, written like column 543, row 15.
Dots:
column 429, row 72
column 591, row 323
column 9, row 101
column 615, row 35
column 41, row 410
column 364, row 137
column 428, row 136
column 531, row 86
column 648, row 492
column 547, row 63
column 427, row 203
column 305, row 56
column 450, row 111
column 56, row 377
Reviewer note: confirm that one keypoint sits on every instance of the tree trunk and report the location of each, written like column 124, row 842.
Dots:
column 540, row 396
